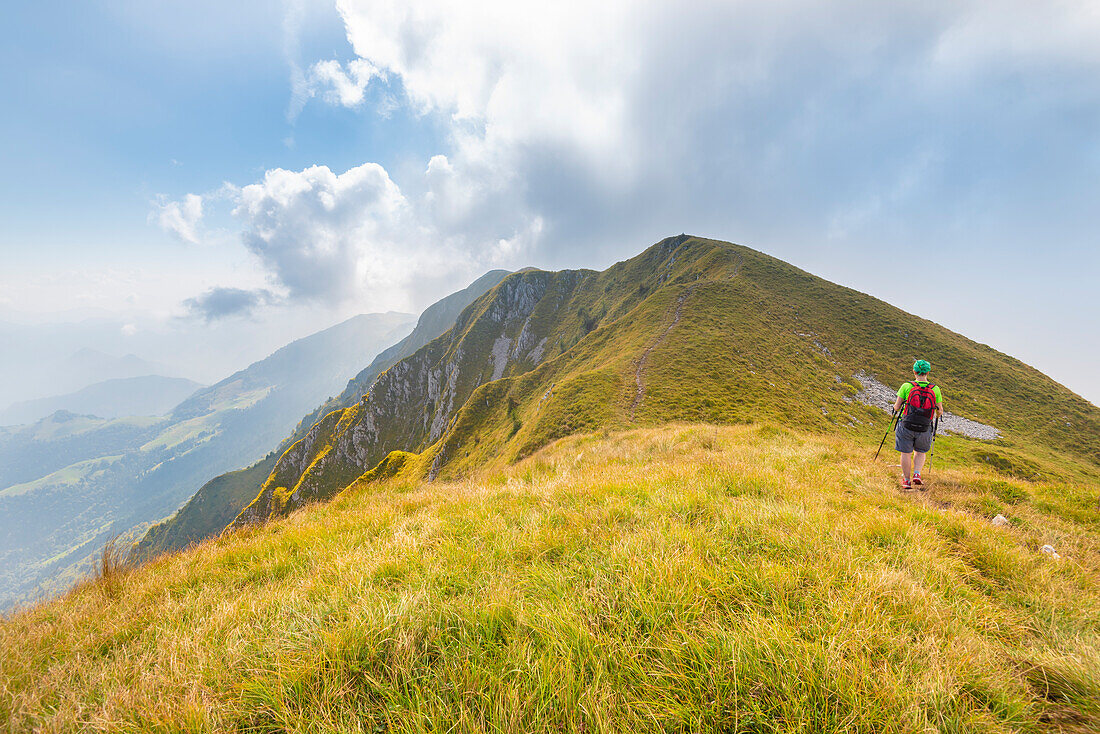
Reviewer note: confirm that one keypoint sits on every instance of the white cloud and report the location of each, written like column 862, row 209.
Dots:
column 575, row 132
column 319, row 232
column 293, row 16
column 355, row 237
column 180, row 218
column 519, row 73
column 340, row 86
column 661, row 116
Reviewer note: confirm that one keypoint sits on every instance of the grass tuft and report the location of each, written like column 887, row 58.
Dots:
column 110, row 567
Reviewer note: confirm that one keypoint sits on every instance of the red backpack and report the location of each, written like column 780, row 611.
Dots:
column 920, row 407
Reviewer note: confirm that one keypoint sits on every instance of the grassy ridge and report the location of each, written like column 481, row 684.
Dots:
column 690, row 329
column 719, row 333
column 685, row 578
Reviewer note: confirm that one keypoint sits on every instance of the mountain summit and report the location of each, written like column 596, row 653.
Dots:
column 690, row 330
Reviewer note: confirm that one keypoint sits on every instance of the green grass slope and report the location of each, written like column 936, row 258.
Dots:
column 682, row 578
column 691, row 329
column 207, row 513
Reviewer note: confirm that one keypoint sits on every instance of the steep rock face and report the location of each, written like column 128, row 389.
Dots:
column 434, row 321
column 411, row 405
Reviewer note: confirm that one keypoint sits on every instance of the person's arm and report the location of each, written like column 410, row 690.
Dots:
column 939, row 403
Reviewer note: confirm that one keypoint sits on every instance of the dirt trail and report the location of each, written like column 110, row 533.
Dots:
column 639, row 394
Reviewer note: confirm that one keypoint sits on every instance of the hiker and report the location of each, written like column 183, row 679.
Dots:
column 923, row 403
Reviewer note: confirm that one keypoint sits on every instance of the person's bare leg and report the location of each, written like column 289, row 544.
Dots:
column 918, row 462
column 905, row 459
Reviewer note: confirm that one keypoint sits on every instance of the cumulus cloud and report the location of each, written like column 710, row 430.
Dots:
column 180, row 218
column 331, row 237
column 218, row 303
column 756, row 118
column 320, row 232
column 340, row 85
column 577, row 132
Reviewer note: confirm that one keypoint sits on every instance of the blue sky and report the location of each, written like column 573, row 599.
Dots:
column 117, row 102
column 265, row 169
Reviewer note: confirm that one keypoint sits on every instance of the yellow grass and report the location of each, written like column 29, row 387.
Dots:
column 686, row 578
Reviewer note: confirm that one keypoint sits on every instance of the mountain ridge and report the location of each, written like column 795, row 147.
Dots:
column 652, row 339
column 642, row 498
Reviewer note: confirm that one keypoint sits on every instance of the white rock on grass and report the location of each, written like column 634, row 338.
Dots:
column 1000, row 521
column 1049, row 550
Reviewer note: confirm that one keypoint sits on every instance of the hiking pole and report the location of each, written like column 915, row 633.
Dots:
column 932, row 448
column 894, row 414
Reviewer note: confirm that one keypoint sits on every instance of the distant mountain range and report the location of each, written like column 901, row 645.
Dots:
column 146, row 395
column 40, row 362
column 88, row 366
column 69, row 482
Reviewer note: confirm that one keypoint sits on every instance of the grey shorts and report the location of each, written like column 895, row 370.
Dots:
column 907, row 441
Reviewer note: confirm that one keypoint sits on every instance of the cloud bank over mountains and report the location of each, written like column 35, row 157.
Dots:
column 575, row 130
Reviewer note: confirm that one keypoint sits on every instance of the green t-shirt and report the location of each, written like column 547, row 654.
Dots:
column 903, row 391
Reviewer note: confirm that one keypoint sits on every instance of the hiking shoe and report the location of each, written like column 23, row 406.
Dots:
column 905, row 483
column 917, row 480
